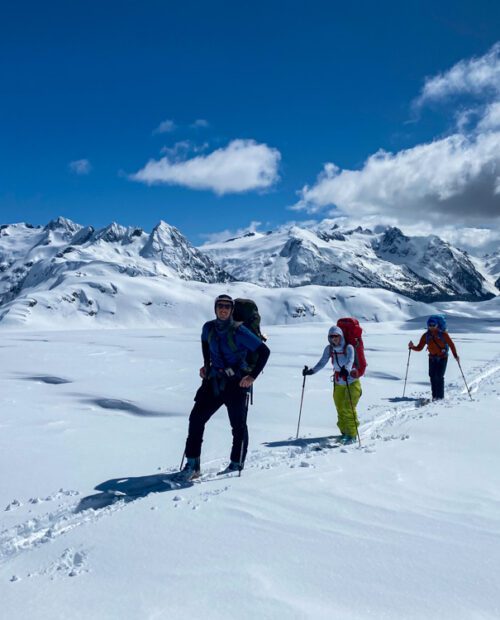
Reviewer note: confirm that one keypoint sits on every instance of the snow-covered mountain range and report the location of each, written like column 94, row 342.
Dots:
column 64, row 273
column 422, row 268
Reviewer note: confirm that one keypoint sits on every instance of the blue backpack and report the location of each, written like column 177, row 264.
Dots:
column 440, row 319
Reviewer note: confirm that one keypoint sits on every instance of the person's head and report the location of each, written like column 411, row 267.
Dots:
column 432, row 323
column 336, row 337
column 223, row 306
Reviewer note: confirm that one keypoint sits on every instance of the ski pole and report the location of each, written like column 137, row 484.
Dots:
column 182, row 460
column 352, row 410
column 407, row 366
column 301, row 401
column 243, row 439
column 463, row 377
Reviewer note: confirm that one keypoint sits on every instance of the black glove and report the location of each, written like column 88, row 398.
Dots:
column 307, row 371
column 343, row 373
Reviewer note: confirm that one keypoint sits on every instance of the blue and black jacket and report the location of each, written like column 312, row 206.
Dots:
column 233, row 350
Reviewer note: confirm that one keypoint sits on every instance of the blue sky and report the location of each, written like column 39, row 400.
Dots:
column 238, row 107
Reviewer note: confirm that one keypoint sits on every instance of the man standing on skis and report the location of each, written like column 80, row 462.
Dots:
column 227, row 379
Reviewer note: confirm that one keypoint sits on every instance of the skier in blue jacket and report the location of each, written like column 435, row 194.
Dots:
column 227, row 376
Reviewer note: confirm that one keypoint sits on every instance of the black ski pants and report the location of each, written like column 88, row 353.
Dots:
column 437, row 368
column 207, row 402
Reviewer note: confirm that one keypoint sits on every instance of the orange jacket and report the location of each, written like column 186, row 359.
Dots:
column 436, row 344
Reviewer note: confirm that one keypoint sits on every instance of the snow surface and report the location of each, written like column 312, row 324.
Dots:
column 408, row 526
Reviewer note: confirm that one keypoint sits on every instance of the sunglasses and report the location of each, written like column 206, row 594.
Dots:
column 333, row 336
column 224, row 306
column 432, row 324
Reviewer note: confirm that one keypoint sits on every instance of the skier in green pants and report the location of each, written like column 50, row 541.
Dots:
column 346, row 388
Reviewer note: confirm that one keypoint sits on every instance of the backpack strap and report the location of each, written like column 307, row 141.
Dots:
column 442, row 344
column 231, row 341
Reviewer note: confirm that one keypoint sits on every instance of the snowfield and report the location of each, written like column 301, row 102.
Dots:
column 93, row 423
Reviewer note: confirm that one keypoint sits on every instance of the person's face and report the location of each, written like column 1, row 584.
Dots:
column 223, row 310
column 334, row 339
column 433, row 326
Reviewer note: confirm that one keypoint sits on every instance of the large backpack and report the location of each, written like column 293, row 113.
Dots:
column 246, row 312
column 353, row 331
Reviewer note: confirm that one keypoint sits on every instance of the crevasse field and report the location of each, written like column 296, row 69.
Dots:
column 93, row 423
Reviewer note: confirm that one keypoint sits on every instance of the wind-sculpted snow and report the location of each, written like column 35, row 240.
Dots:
column 95, row 522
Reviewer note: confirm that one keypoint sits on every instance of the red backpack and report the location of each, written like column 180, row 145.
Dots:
column 352, row 333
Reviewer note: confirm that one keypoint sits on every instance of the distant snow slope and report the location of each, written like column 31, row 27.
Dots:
column 64, row 272
column 66, row 275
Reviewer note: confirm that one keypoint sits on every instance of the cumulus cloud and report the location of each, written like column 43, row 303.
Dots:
column 475, row 76
column 80, row 166
column 490, row 118
column 451, row 179
column 454, row 176
column 242, row 166
column 165, row 127
column 182, row 148
column 200, row 123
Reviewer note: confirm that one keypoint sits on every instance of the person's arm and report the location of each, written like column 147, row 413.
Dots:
column 205, row 350
column 420, row 345
column 263, row 353
column 451, row 344
column 322, row 361
column 349, row 358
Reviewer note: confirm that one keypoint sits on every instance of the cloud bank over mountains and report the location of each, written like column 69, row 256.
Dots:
column 456, row 176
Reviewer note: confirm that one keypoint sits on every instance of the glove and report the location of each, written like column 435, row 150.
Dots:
column 343, row 373
column 307, row 371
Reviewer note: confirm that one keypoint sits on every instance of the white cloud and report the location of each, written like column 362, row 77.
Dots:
column 182, row 148
column 490, row 117
column 224, row 235
column 453, row 180
column 475, row 240
column 80, row 166
column 453, row 177
column 475, row 76
column 242, row 166
column 200, row 123
column 165, row 127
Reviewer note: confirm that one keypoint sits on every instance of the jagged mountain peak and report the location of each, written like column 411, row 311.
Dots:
column 62, row 224
column 167, row 244
column 111, row 233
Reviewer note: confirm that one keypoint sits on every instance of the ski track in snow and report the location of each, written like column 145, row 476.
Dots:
column 37, row 531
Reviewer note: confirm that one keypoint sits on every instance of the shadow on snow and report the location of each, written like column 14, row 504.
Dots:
column 302, row 442
column 130, row 489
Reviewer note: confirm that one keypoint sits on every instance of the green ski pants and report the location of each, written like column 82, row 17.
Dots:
column 347, row 416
